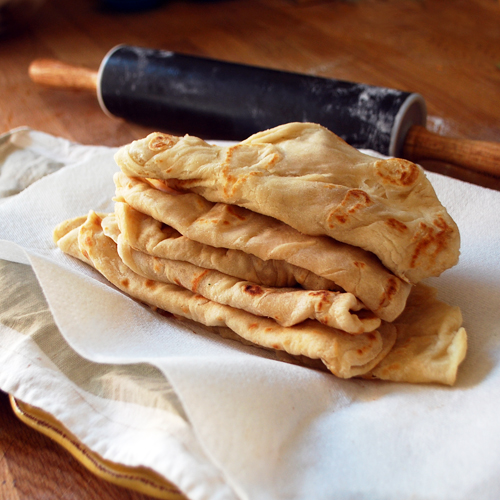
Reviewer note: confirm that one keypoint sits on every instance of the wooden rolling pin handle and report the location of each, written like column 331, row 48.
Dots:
column 65, row 76
column 481, row 156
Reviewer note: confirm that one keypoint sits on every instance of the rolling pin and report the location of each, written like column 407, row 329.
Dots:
column 223, row 100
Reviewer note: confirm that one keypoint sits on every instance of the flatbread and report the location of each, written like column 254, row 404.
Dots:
column 431, row 341
column 65, row 235
column 306, row 176
column 231, row 227
column 150, row 236
column 430, row 344
column 343, row 354
column 287, row 306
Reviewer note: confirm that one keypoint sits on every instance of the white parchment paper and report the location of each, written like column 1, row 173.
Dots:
column 269, row 430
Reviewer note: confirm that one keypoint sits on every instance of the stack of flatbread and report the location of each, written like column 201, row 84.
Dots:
column 291, row 240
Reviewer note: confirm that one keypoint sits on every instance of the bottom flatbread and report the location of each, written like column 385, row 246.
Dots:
column 343, row 354
column 430, row 342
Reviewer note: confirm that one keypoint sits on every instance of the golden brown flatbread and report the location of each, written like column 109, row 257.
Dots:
column 306, row 176
column 231, row 227
column 343, row 354
column 246, row 223
column 65, row 235
column 430, row 342
column 150, row 236
column 287, row 306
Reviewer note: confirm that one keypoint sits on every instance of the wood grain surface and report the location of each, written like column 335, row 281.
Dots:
column 447, row 51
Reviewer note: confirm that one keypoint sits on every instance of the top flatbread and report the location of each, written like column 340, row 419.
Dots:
column 307, row 177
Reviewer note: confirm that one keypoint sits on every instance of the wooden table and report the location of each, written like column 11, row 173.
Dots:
column 448, row 52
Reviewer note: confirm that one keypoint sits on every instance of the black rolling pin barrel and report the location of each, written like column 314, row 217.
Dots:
column 214, row 99
column 217, row 99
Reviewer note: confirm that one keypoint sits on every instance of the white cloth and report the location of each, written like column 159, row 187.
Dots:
column 237, row 423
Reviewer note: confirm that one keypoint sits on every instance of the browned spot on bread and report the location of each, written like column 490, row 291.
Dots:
column 274, row 159
column 228, row 186
column 233, row 182
column 359, row 265
column 390, row 291
column 125, row 282
column 397, row 225
column 88, row 241
column 251, row 326
column 204, row 221
column 354, row 200
column 177, row 282
column 253, row 290
column 431, row 240
column 229, row 154
column 324, row 299
column 159, row 142
column 208, row 221
column 397, row 172
column 196, row 280
column 226, row 169
column 85, row 254
column 150, row 284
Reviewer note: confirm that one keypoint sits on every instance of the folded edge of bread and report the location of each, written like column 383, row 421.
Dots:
column 307, row 177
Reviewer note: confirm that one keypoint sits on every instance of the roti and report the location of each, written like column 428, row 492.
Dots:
column 231, row 227
column 306, row 176
column 426, row 344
